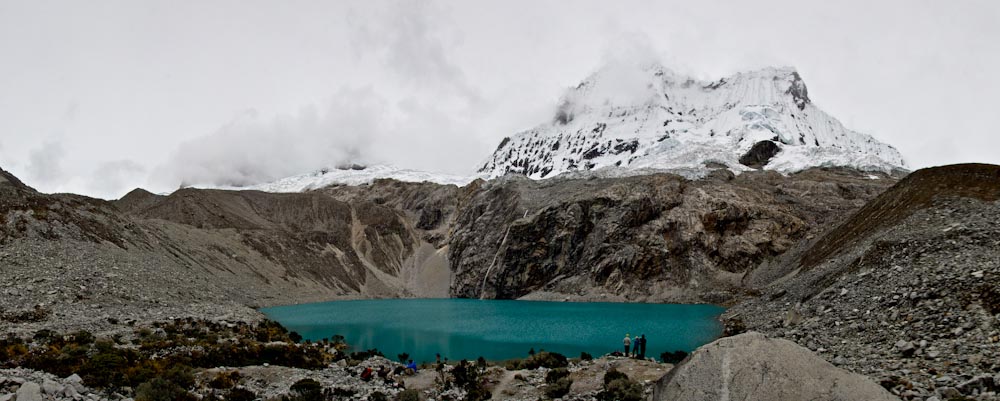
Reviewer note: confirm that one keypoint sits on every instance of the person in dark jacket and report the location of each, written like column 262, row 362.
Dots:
column 642, row 347
column 635, row 347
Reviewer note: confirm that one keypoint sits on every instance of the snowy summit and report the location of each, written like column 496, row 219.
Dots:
column 650, row 118
column 352, row 174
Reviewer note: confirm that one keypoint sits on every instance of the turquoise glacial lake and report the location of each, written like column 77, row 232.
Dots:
column 497, row 330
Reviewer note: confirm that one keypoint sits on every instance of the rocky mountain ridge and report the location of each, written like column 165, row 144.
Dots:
column 906, row 290
column 893, row 280
column 654, row 238
column 647, row 117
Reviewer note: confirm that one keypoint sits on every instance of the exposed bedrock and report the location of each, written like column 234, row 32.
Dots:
column 656, row 237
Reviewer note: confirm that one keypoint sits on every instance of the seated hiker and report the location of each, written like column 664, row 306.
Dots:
column 411, row 367
column 366, row 375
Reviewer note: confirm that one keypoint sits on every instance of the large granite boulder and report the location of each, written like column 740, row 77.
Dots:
column 751, row 366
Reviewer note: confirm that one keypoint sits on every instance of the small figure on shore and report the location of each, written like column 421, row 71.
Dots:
column 366, row 375
column 627, row 342
column 411, row 367
column 642, row 347
column 635, row 347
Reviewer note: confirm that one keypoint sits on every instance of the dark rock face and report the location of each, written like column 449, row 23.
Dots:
column 26, row 213
column 760, row 154
column 798, row 91
column 656, row 237
column 9, row 179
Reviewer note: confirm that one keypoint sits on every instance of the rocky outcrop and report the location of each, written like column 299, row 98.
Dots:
column 906, row 290
column 751, row 367
column 207, row 253
column 758, row 155
column 137, row 200
column 657, row 237
column 653, row 238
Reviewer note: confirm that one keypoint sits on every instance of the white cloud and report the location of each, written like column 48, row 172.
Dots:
column 114, row 178
column 436, row 84
column 253, row 149
column 44, row 163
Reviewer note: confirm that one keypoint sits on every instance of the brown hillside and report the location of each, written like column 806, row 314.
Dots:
column 915, row 192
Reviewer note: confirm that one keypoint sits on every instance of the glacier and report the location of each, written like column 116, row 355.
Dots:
column 628, row 120
column 670, row 122
column 352, row 175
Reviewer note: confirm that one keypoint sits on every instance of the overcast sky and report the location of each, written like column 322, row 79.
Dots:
column 99, row 97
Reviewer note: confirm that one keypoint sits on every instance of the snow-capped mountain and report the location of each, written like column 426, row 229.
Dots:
column 651, row 118
column 352, row 175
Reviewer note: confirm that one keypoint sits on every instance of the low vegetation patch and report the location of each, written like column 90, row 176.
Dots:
column 618, row 387
column 673, row 357
column 161, row 359
column 543, row 359
column 557, row 383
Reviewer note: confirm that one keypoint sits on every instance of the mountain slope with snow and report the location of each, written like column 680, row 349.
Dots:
column 352, row 175
column 651, row 118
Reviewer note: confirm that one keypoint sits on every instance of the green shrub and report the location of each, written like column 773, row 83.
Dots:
column 306, row 385
column 82, row 337
column 555, row 374
column 402, row 358
column 363, row 355
column 408, row 395
column 673, row 357
column 559, row 388
column 546, row 359
column 513, row 364
column 621, row 390
column 586, row 357
column 618, row 387
column 182, row 375
column 478, row 393
column 224, row 380
column 613, row 375
column 104, row 368
column 378, row 396
column 240, row 394
column 161, row 390
column 344, row 392
column 306, row 390
column 466, row 376
column 43, row 335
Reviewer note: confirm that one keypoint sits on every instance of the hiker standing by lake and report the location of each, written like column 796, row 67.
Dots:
column 628, row 342
column 642, row 347
column 635, row 347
